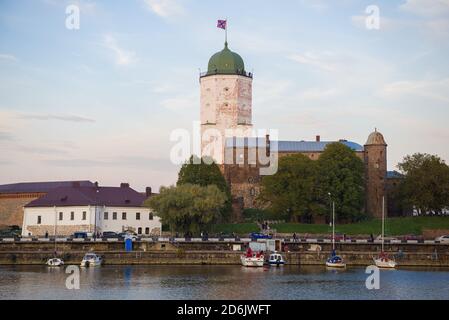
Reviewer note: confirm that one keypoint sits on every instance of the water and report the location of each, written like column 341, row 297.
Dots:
column 220, row 282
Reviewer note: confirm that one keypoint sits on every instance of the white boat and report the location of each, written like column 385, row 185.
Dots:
column 91, row 260
column 383, row 261
column 276, row 259
column 334, row 261
column 251, row 259
column 55, row 262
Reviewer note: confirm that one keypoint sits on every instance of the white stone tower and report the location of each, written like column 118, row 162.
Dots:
column 226, row 103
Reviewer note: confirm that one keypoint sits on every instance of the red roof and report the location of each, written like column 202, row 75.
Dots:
column 84, row 196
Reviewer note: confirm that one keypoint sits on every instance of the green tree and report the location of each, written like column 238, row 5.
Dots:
column 341, row 173
column 291, row 191
column 426, row 182
column 205, row 172
column 188, row 207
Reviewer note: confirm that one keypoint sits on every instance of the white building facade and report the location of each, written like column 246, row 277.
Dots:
column 62, row 213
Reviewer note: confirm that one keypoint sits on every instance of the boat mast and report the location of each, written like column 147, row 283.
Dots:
column 383, row 222
column 333, row 225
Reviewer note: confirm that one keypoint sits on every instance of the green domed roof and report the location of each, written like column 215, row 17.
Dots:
column 226, row 62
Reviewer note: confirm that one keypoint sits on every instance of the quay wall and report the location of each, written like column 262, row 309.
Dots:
column 219, row 253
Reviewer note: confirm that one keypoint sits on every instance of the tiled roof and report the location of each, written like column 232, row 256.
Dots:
column 84, row 196
column 40, row 187
column 289, row 146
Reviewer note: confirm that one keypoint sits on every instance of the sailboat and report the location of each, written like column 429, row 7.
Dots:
column 55, row 261
column 383, row 261
column 334, row 261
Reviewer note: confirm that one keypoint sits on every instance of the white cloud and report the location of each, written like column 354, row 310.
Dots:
column 72, row 118
column 9, row 57
column 325, row 60
column 122, row 57
column 181, row 103
column 426, row 8
column 165, row 8
column 435, row 89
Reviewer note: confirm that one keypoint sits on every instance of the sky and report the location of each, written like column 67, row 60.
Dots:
column 99, row 102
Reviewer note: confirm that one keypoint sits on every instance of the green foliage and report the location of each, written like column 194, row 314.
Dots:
column 291, row 191
column 341, row 173
column 300, row 189
column 205, row 172
column 426, row 182
column 188, row 207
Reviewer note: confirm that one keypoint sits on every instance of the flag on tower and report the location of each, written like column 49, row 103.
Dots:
column 221, row 24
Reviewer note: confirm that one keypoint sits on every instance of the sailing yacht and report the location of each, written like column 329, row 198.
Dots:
column 383, row 261
column 55, row 261
column 334, row 261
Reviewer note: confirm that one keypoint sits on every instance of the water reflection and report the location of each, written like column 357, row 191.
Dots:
column 220, row 282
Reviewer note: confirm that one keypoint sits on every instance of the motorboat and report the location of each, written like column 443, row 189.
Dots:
column 252, row 259
column 276, row 259
column 383, row 261
column 91, row 260
column 55, row 262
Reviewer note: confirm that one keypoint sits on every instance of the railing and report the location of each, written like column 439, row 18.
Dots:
column 240, row 73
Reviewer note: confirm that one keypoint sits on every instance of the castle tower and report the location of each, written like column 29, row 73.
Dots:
column 375, row 173
column 226, row 103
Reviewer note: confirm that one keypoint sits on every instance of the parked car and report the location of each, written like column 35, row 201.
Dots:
column 110, row 235
column 129, row 234
column 80, row 235
column 8, row 233
column 443, row 239
column 259, row 235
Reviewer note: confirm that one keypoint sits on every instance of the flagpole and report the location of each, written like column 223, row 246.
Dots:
column 226, row 31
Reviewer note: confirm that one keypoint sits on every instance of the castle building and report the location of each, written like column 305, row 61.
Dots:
column 226, row 135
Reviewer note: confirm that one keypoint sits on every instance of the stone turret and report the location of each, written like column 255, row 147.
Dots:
column 375, row 173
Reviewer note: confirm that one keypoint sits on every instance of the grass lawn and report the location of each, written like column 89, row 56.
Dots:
column 393, row 226
column 238, row 228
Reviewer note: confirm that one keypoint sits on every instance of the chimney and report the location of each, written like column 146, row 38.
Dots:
column 124, row 185
column 148, row 192
column 318, row 138
column 96, row 184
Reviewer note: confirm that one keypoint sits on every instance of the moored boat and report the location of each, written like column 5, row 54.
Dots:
column 334, row 261
column 91, row 260
column 383, row 261
column 252, row 259
column 276, row 259
column 55, row 262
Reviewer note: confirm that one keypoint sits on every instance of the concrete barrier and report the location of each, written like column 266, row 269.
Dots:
column 43, row 239
column 26, row 240
column 112, row 240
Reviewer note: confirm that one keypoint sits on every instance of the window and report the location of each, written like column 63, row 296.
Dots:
column 139, row 230
column 114, row 216
column 84, row 215
column 123, row 215
column 151, row 216
column 147, row 230
column 61, row 216
column 72, row 215
column 39, row 219
column 137, row 215
column 105, row 216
